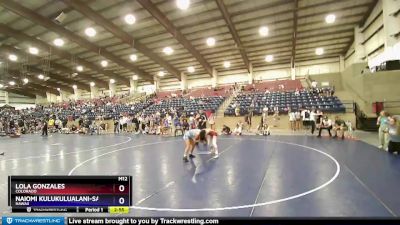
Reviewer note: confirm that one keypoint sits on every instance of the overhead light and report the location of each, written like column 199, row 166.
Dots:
column 227, row 64
column 79, row 68
column 74, row 86
column 13, row 57
column 25, row 80
column 1, row 86
column 92, row 84
column 319, row 51
column 12, row 83
column 40, row 76
column 183, row 4
column 58, row 42
column 263, row 31
column 269, row 58
column 58, row 89
column 168, row 50
column 133, row 57
column 135, row 77
column 330, row 18
column 130, row 19
column 112, row 81
column 104, row 63
column 210, row 41
column 161, row 73
column 90, row 32
column 33, row 50
column 191, row 69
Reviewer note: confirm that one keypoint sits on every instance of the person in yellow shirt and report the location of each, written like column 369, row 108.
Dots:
column 51, row 122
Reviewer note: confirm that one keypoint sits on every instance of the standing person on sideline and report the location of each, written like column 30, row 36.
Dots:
column 116, row 125
column 292, row 120
column 190, row 137
column 313, row 115
column 297, row 117
column 305, row 115
column 326, row 124
column 211, row 120
column 44, row 128
column 383, row 124
column 394, row 134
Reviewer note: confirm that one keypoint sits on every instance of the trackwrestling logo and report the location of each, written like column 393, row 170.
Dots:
column 33, row 220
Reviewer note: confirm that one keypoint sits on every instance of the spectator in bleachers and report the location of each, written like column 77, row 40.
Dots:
column 297, row 92
column 383, row 124
column 314, row 84
column 326, row 124
column 394, row 134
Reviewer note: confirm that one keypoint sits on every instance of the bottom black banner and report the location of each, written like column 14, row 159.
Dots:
column 223, row 221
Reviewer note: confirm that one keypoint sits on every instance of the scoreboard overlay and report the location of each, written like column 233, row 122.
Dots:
column 95, row 194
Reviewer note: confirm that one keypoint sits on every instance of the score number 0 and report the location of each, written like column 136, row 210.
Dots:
column 121, row 200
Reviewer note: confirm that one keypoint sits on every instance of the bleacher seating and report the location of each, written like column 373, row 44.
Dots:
column 168, row 94
column 284, row 101
column 288, row 85
column 189, row 105
column 209, row 91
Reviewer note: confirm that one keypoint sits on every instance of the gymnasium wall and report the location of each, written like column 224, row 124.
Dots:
column 2, row 98
column 373, row 36
column 273, row 72
column 371, row 87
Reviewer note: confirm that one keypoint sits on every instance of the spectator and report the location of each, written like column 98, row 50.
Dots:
column 211, row 121
column 238, row 129
column 305, row 115
column 185, row 125
column 297, row 117
column 226, row 130
column 339, row 127
column 326, row 124
column 44, row 128
column 313, row 115
column 394, row 134
column 383, row 124
column 292, row 120
column 237, row 110
column 116, row 125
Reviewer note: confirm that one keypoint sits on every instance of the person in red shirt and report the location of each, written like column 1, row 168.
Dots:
column 210, row 137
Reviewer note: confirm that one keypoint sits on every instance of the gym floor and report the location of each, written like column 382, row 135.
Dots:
column 274, row 176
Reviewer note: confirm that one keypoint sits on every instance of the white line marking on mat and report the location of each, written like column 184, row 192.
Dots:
column 110, row 152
